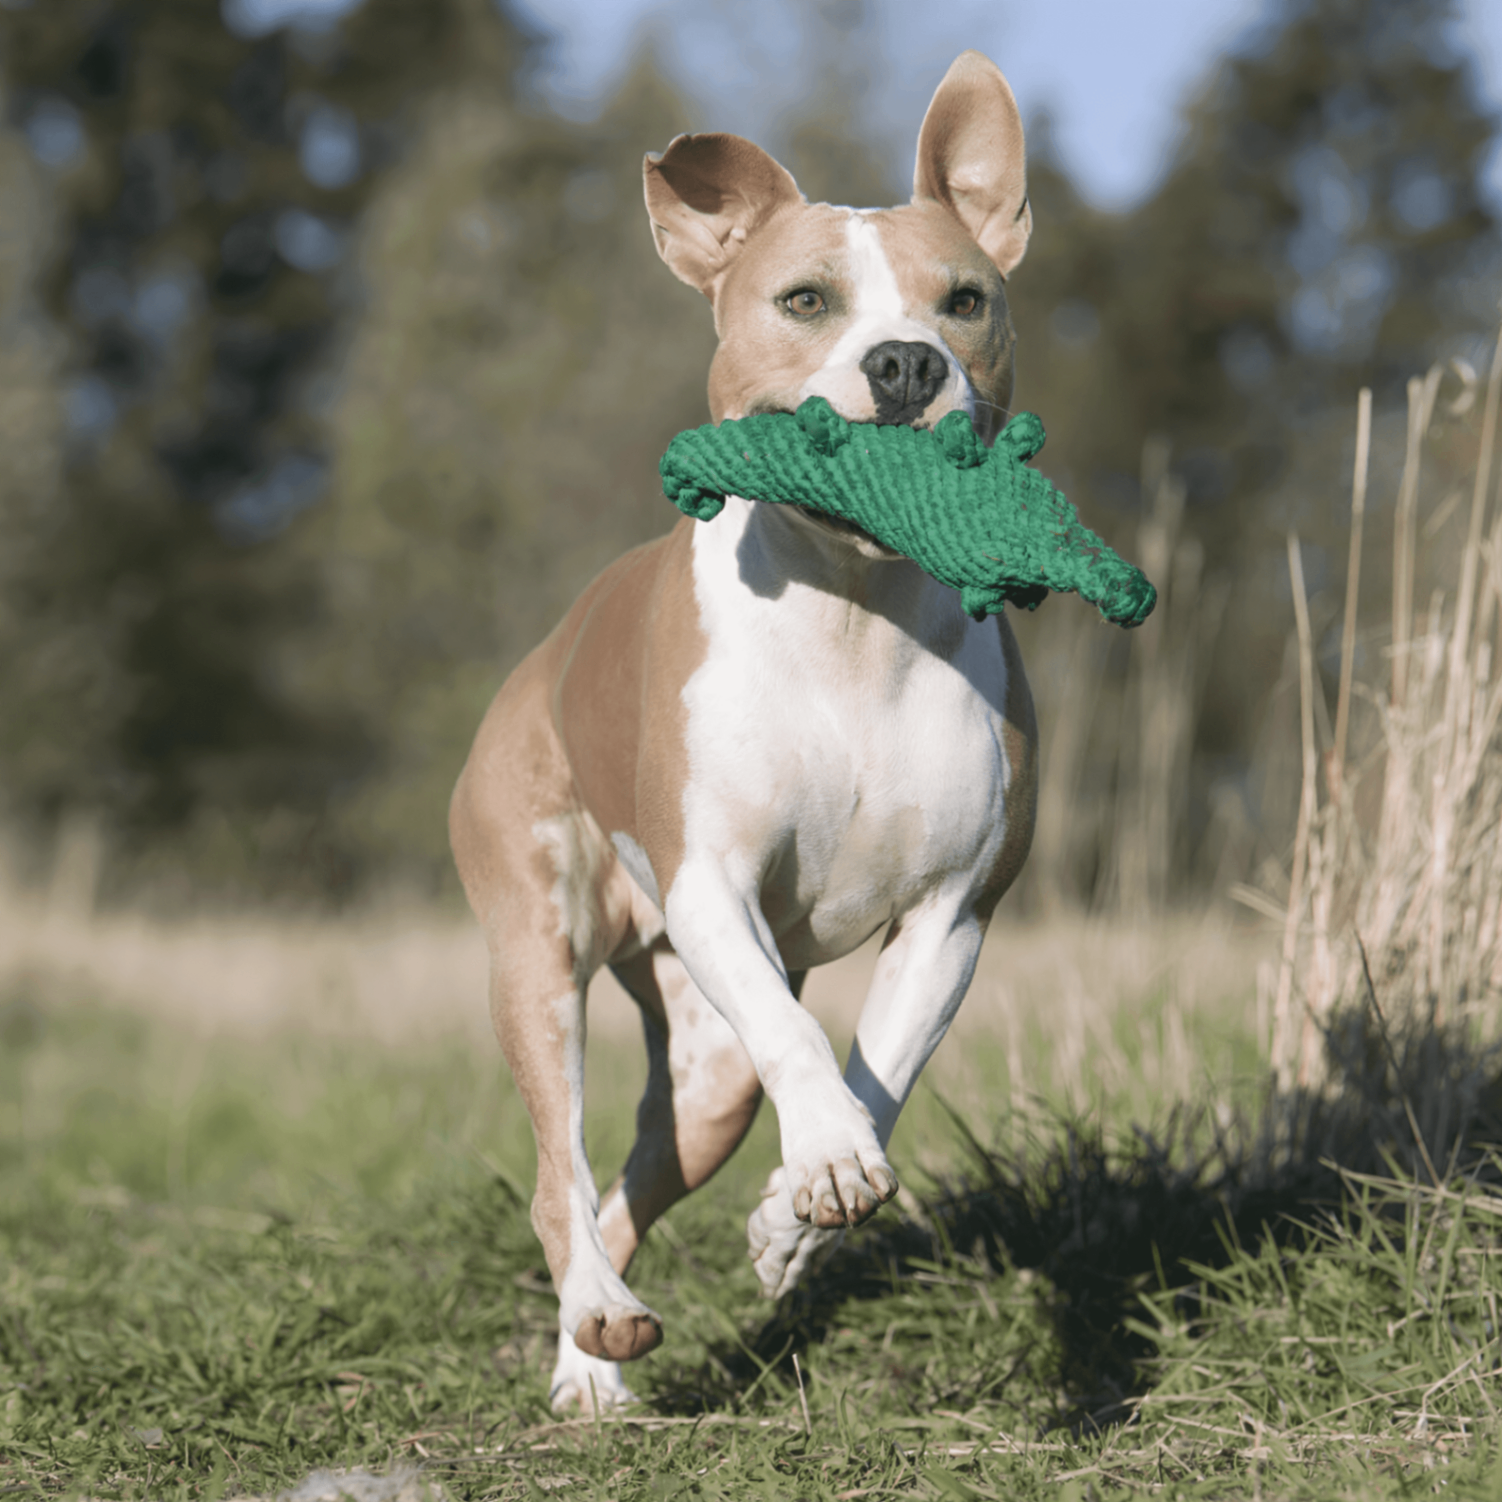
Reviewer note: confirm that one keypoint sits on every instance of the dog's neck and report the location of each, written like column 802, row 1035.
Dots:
column 775, row 548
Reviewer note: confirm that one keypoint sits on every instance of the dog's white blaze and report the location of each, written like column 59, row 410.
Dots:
column 881, row 314
column 877, row 295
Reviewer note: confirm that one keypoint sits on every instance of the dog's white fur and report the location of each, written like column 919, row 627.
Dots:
column 756, row 742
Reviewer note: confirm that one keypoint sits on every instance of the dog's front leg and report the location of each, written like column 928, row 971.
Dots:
column 925, row 968
column 834, row 1167
column 926, row 964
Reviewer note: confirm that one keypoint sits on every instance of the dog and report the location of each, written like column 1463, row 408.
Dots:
column 755, row 742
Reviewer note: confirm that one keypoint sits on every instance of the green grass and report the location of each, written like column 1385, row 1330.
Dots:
column 224, row 1264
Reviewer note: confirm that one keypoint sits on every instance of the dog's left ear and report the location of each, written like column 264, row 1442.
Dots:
column 972, row 158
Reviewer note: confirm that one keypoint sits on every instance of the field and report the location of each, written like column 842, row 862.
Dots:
column 1201, row 1208
column 243, row 1244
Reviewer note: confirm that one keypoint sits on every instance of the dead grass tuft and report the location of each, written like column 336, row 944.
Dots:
column 1403, row 910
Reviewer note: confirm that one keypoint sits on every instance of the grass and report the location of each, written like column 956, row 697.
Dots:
column 224, row 1264
column 228, row 1262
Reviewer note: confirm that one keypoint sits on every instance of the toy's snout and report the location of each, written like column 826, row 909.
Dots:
column 904, row 376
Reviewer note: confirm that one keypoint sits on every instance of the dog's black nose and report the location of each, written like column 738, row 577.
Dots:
column 904, row 378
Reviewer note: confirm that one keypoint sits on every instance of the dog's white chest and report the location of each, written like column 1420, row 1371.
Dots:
column 848, row 763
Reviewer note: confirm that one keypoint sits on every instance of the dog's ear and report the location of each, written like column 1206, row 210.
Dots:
column 972, row 159
column 705, row 195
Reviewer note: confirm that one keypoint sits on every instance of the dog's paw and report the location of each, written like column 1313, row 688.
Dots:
column 585, row 1383
column 606, row 1319
column 841, row 1188
column 619, row 1332
column 784, row 1249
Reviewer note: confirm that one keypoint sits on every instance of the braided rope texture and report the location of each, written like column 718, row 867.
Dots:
column 977, row 519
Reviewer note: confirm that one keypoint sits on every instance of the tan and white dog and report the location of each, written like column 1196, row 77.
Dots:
column 755, row 742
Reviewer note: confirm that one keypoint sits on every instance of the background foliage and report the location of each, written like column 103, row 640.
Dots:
column 333, row 366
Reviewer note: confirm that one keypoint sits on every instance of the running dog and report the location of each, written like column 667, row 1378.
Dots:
column 755, row 742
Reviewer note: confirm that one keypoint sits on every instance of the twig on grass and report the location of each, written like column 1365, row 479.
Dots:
column 808, row 1428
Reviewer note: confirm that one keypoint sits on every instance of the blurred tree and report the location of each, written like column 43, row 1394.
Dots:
column 1321, row 227
column 523, row 360
column 1322, row 215
column 207, row 187
column 367, row 367
column 827, row 143
column 315, row 506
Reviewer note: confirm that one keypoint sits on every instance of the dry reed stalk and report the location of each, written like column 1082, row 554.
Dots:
column 1283, row 1029
column 1461, row 642
column 1459, row 694
column 1491, row 553
column 1329, row 823
column 1323, row 990
column 1353, row 585
column 1402, row 722
column 1284, row 1033
column 1421, row 395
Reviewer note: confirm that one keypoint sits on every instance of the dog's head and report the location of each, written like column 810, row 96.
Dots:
column 893, row 315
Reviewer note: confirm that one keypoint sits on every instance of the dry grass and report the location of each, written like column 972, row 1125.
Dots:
column 1402, row 908
column 1078, row 1007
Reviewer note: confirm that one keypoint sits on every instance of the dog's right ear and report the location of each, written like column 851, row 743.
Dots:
column 705, row 195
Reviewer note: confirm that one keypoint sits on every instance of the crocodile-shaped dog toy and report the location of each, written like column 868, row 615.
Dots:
column 976, row 519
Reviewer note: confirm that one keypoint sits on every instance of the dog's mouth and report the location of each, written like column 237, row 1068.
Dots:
column 837, row 526
column 849, row 534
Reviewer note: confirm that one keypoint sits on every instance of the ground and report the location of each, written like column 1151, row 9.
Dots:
column 245, row 1240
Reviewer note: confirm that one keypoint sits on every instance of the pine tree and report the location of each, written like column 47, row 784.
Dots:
column 1320, row 228
column 208, row 189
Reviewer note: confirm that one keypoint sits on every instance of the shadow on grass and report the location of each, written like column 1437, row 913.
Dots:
column 1105, row 1222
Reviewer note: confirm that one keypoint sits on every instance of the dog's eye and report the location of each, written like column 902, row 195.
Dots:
column 965, row 303
column 805, row 303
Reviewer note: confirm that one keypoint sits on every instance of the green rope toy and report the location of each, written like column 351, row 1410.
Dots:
column 976, row 519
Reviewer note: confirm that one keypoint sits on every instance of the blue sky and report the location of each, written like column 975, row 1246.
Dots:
column 1111, row 73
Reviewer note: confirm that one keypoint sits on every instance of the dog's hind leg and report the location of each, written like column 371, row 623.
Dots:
column 539, row 1019
column 535, row 867
column 701, row 1096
